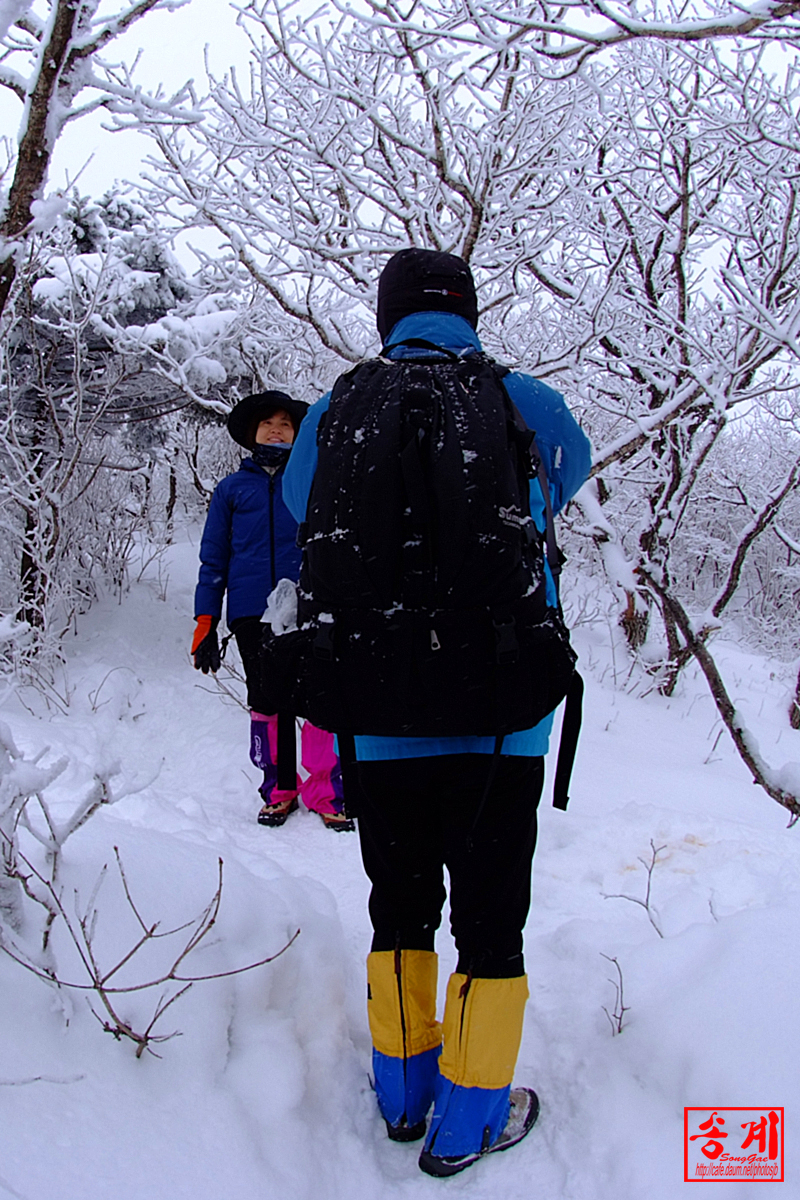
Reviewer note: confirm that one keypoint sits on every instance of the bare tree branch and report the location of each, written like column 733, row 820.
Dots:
column 733, row 722
column 82, row 937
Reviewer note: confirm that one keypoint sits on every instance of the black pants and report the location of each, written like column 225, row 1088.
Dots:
column 247, row 631
column 417, row 815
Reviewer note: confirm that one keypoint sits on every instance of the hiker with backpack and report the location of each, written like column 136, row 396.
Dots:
column 248, row 545
column 429, row 638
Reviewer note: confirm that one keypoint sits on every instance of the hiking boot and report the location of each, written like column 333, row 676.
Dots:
column 405, row 1132
column 522, row 1115
column 338, row 821
column 276, row 814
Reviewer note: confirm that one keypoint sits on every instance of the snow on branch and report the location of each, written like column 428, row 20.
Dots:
column 761, row 521
column 789, row 542
column 577, row 30
column 646, row 427
column 782, row 785
column 14, row 82
column 111, row 28
column 58, row 59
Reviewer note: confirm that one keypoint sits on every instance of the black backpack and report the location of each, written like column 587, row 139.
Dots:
column 422, row 609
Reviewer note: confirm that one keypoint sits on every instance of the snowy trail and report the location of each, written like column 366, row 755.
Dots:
column 267, row 1092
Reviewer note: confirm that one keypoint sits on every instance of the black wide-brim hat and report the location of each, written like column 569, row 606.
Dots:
column 417, row 280
column 243, row 420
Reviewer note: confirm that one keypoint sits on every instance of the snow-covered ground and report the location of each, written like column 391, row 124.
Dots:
column 267, row 1092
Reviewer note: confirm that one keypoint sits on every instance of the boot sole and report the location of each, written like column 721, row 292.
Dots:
column 346, row 826
column 407, row 1133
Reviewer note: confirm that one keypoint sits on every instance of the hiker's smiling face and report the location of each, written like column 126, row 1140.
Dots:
column 275, row 430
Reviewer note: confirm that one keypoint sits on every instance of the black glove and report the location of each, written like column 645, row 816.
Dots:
column 206, row 654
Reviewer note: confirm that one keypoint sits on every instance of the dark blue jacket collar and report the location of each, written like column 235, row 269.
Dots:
column 247, row 464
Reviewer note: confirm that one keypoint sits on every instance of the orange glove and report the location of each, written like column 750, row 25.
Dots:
column 205, row 646
column 205, row 624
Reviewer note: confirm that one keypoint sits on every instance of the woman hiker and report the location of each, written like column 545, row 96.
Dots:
column 248, row 544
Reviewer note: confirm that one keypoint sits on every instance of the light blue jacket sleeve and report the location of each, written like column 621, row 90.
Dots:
column 564, row 446
column 302, row 463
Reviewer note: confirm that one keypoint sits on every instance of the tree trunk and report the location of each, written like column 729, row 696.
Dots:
column 31, row 591
column 36, row 147
column 171, row 500
column 635, row 622
column 794, row 707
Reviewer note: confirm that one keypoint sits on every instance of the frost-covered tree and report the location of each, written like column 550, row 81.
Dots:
column 117, row 372
column 677, row 276
column 78, row 484
column 51, row 60
column 350, row 143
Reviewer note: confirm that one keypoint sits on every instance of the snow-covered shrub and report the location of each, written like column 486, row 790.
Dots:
column 87, row 450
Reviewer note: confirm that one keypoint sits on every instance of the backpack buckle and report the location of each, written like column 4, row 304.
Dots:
column 530, row 533
column 323, row 643
column 507, row 644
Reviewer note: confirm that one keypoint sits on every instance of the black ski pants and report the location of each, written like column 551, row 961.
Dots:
column 419, row 815
column 248, row 631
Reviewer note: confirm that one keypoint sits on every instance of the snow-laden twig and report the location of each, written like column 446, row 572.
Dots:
column 761, row 521
column 578, row 29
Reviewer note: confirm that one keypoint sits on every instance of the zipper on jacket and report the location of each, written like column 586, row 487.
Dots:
column 272, row 531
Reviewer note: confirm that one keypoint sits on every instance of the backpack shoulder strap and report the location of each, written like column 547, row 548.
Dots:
column 555, row 558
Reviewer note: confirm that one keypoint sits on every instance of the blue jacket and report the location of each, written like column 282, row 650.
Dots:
column 248, row 544
column 567, row 458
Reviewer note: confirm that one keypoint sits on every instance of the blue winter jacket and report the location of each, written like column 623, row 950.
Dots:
column 567, row 458
column 249, row 542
